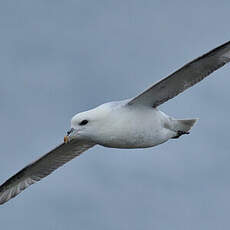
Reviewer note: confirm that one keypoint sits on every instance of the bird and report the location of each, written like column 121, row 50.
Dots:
column 132, row 123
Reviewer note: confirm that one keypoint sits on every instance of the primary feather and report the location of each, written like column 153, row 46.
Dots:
column 184, row 78
column 41, row 168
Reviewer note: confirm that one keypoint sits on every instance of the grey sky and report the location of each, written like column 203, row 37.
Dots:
column 58, row 58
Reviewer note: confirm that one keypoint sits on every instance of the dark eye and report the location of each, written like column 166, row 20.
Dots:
column 84, row 122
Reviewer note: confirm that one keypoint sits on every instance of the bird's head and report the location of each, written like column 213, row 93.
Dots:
column 86, row 125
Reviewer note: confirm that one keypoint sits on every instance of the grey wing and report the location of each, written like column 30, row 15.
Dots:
column 41, row 168
column 184, row 78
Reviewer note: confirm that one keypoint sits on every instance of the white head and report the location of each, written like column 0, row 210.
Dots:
column 86, row 125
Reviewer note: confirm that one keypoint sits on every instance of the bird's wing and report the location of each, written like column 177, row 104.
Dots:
column 41, row 168
column 184, row 78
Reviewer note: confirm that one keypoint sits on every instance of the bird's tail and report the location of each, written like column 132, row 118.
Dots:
column 184, row 125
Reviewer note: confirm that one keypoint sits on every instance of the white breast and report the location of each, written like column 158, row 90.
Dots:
column 129, row 127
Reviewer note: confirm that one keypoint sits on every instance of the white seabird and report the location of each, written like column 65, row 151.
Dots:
column 132, row 123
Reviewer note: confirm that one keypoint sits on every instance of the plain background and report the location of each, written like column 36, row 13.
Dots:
column 58, row 58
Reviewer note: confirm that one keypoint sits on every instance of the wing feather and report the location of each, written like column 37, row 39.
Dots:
column 41, row 168
column 184, row 78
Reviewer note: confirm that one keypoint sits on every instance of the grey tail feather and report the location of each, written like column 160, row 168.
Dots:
column 184, row 125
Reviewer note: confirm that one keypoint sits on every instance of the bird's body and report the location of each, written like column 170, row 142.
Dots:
column 132, row 123
column 137, row 128
column 122, row 126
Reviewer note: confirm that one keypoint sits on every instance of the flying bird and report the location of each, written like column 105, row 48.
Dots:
column 132, row 123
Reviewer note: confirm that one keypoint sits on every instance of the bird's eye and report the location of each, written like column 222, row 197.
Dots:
column 84, row 122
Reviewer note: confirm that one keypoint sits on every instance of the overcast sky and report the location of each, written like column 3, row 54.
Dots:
column 58, row 58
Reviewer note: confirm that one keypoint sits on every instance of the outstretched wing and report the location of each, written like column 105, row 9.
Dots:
column 41, row 168
column 184, row 78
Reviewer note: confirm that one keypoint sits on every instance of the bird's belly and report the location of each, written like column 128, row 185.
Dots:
column 137, row 140
column 131, row 145
column 139, row 129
